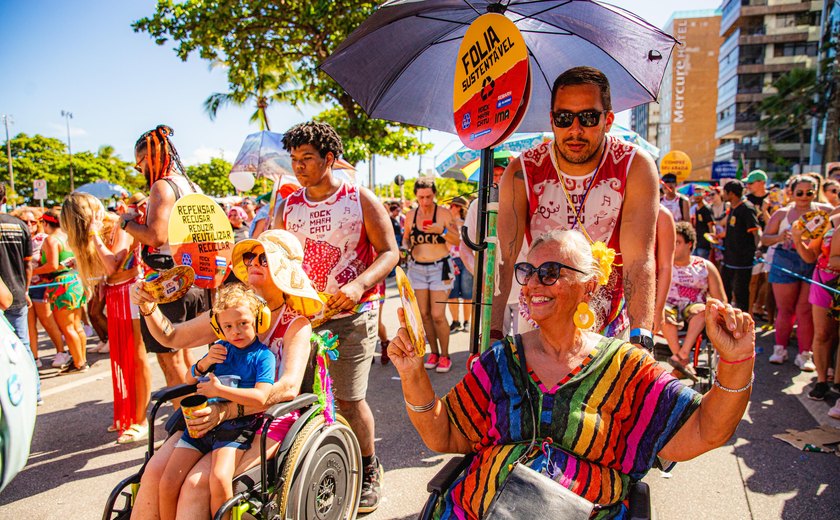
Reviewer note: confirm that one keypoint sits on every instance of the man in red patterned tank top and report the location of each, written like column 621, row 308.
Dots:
column 348, row 249
column 587, row 180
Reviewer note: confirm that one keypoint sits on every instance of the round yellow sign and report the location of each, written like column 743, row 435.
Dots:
column 201, row 237
column 490, row 81
column 676, row 162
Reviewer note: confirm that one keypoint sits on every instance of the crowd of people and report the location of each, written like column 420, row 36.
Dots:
column 598, row 255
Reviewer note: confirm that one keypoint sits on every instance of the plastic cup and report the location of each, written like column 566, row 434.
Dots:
column 426, row 223
column 189, row 405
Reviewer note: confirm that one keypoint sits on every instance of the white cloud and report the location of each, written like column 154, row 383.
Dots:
column 75, row 131
column 203, row 154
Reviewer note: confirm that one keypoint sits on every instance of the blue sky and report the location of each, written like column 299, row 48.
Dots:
column 82, row 56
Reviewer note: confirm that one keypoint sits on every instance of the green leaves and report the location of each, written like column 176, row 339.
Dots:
column 39, row 157
column 272, row 49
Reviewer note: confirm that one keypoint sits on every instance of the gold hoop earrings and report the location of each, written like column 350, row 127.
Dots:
column 584, row 318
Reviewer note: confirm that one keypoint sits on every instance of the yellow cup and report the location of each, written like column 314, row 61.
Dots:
column 189, row 405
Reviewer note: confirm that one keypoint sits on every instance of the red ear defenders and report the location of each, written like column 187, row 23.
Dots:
column 262, row 320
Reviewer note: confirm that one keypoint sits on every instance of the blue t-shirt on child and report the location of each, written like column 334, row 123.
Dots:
column 253, row 364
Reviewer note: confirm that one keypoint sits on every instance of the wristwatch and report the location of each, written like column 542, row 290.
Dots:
column 643, row 338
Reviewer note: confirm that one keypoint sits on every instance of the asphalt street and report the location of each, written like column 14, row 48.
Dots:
column 74, row 461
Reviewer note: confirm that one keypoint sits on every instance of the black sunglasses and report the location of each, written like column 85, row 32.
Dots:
column 587, row 118
column 248, row 259
column 547, row 274
column 809, row 193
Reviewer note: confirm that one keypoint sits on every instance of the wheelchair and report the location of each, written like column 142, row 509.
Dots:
column 639, row 494
column 703, row 357
column 316, row 472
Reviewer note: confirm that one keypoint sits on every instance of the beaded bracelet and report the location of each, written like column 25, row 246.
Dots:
column 748, row 358
column 422, row 409
column 735, row 390
column 154, row 308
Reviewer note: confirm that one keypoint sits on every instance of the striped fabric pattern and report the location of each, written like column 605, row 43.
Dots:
column 604, row 425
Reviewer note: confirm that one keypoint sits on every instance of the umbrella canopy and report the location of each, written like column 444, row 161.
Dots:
column 262, row 155
column 625, row 134
column 400, row 63
column 103, row 189
column 517, row 143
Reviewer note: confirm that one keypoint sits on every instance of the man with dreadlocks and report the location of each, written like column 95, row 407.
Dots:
column 348, row 249
column 159, row 163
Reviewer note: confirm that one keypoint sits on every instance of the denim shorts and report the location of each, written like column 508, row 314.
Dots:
column 790, row 260
column 430, row 277
column 462, row 287
column 235, row 433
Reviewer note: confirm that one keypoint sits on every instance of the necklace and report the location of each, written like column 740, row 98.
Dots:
column 586, row 191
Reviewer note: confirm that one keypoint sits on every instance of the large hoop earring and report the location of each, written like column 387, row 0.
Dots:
column 584, row 318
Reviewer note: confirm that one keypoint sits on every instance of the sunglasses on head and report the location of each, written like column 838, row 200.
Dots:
column 809, row 193
column 587, row 118
column 248, row 259
column 548, row 273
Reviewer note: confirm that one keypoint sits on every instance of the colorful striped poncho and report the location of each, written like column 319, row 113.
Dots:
column 607, row 421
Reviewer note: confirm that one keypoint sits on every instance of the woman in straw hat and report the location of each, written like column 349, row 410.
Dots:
column 271, row 265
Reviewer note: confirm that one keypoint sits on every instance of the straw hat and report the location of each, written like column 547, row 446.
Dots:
column 285, row 257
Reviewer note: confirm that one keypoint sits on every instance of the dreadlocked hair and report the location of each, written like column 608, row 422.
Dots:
column 320, row 135
column 160, row 153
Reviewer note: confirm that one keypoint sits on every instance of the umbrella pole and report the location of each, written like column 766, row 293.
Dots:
column 483, row 280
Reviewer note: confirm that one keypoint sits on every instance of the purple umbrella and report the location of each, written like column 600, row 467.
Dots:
column 400, row 63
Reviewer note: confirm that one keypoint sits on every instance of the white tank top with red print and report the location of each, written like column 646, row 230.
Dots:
column 274, row 340
column 560, row 201
column 336, row 249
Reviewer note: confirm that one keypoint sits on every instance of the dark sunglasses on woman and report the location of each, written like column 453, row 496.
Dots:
column 548, row 273
column 809, row 193
column 587, row 118
column 248, row 259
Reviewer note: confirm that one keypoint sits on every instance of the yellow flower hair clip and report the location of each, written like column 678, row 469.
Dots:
column 605, row 256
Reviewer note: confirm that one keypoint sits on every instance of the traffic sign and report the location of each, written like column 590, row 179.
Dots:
column 39, row 186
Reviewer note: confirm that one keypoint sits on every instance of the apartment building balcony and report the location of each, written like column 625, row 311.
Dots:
column 737, row 13
column 763, row 39
column 736, row 128
column 732, row 151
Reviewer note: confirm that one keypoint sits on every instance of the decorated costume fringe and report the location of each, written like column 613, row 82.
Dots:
column 121, row 341
column 327, row 344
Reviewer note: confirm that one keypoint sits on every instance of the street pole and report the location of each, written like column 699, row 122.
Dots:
column 6, row 119
column 68, row 116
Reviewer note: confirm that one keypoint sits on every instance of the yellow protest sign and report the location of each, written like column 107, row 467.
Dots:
column 491, row 76
column 677, row 163
column 201, row 237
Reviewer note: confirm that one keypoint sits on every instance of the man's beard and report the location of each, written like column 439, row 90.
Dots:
column 576, row 159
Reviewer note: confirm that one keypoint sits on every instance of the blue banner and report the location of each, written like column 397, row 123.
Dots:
column 724, row 170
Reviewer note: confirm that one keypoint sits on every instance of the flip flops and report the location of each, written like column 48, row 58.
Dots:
column 683, row 368
column 134, row 433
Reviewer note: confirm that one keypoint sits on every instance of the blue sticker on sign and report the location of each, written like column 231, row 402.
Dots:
column 466, row 121
column 476, row 135
column 504, row 100
column 186, row 259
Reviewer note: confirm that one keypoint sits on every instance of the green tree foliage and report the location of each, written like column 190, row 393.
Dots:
column 792, row 106
column 287, row 40
column 39, row 157
column 212, row 177
column 446, row 190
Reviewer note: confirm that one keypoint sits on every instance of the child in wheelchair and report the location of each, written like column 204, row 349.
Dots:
column 238, row 316
column 693, row 279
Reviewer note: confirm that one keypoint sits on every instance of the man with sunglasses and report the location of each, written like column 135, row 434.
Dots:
column 588, row 180
column 158, row 161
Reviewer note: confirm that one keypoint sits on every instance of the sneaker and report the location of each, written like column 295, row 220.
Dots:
column 432, row 361
column 38, row 363
column 455, row 326
column 371, row 487
column 466, row 327
column 779, row 356
column 805, row 361
column 103, row 348
column 444, row 365
column 60, row 360
column 835, row 410
column 818, row 392
column 73, row 369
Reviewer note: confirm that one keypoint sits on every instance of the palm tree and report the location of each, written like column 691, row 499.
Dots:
column 257, row 85
column 793, row 103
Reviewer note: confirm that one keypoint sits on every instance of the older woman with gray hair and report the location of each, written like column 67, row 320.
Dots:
column 590, row 412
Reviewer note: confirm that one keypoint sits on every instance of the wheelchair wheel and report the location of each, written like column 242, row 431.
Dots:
column 322, row 473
